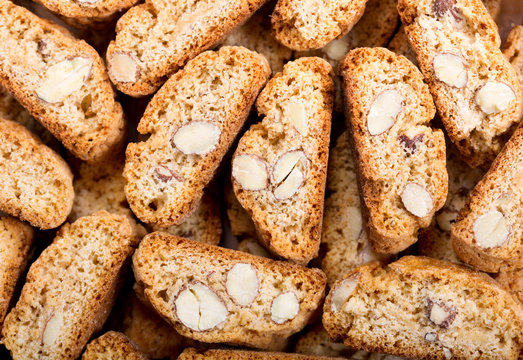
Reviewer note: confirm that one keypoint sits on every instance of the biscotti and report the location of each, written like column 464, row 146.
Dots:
column 230, row 297
column 154, row 40
column 192, row 120
column 513, row 50
column 113, row 346
column 435, row 241
column 280, row 164
column 203, row 224
column 193, row 354
column 61, row 81
column 488, row 233
column 424, row 308
column 476, row 90
column 311, row 24
column 70, row 288
column 239, row 220
column 37, row 184
column 149, row 331
column 256, row 35
column 344, row 234
column 16, row 242
column 401, row 160
column 512, row 281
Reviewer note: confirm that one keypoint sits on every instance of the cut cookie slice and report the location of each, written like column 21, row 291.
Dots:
column 230, row 297
column 193, row 354
column 435, row 241
column 256, row 35
column 204, row 224
column 424, row 308
column 311, row 24
column 192, row 120
column 476, row 90
column 70, row 288
column 401, row 160
column 16, row 242
column 155, row 39
column 488, row 233
column 344, row 233
column 113, row 346
column 37, row 184
column 280, row 164
column 61, row 81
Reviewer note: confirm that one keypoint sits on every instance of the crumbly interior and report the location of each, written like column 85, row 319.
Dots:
column 165, row 265
column 204, row 224
column 479, row 136
column 112, row 346
column 88, row 12
column 388, row 311
column 88, row 121
column 290, row 227
column 344, row 248
column 76, row 278
column 36, row 182
column 215, row 87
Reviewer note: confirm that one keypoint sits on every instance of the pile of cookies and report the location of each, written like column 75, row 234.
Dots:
column 254, row 179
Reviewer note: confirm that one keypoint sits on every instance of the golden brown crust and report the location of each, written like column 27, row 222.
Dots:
column 193, row 354
column 113, row 346
column 37, row 182
column 368, row 73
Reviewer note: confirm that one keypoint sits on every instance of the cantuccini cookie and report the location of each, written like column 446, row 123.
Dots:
column 401, row 160
column 193, row 354
column 512, row 281
column 62, row 81
column 70, row 288
column 424, row 308
column 16, row 242
column 256, row 35
column 488, row 233
column 239, row 220
column 230, row 296
column 37, row 184
column 192, row 120
column 513, row 50
column 203, row 224
column 155, row 39
column 435, row 241
column 113, row 346
column 312, row 24
column 476, row 90
column 344, row 233
column 280, row 164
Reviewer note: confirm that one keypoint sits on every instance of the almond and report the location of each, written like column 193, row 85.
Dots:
column 52, row 328
column 250, row 171
column 494, row 97
column 298, row 117
column 196, row 137
column 491, row 229
column 284, row 307
column 242, row 284
column 417, row 200
column 342, row 293
column 450, row 69
column 383, row 111
column 288, row 173
column 123, row 67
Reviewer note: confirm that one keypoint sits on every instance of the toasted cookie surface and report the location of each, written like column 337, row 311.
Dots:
column 113, row 346
column 37, row 184
column 193, row 354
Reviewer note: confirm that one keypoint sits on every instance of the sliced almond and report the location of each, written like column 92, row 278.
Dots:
column 491, row 229
column 298, row 117
column 450, row 69
column 284, row 307
column 440, row 313
column 288, row 172
column 196, row 137
column 250, row 171
column 242, row 284
column 199, row 308
column 417, row 200
column 353, row 213
column 123, row 68
column 383, row 111
column 290, row 185
column 494, row 97
column 52, row 328
column 165, row 174
column 342, row 293
column 64, row 78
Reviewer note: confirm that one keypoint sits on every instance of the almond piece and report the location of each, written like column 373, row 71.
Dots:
column 284, row 307
column 383, row 111
column 450, row 69
column 298, row 117
column 446, row 218
column 342, row 293
column 123, row 68
column 491, row 229
column 417, row 200
column 441, row 7
column 431, row 337
column 288, row 173
column 494, row 97
column 256, row 249
column 440, row 313
column 164, row 174
column 411, row 144
column 199, row 308
column 196, row 137
column 52, row 328
column 242, row 284
column 250, row 171
column 64, row 78
column 353, row 213
column 337, row 49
